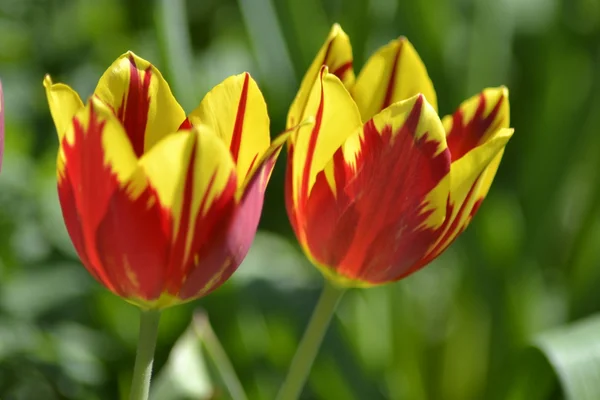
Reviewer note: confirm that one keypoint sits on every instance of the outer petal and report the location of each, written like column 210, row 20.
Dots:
column 108, row 208
column 141, row 99
column 476, row 120
column 336, row 117
column 391, row 183
column 336, row 54
column 64, row 102
column 395, row 72
column 195, row 180
column 477, row 134
column 236, row 111
column 471, row 177
column 231, row 245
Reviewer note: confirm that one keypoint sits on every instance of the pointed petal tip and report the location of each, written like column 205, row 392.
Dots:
column 500, row 91
column 132, row 57
column 336, row 29
column 47, row 81
column 129, row 53
column 506, row 133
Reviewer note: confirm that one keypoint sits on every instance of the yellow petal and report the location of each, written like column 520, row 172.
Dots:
column 471, row 177
column 95, row 161
column 335, row 118
column 336, row 54
column 191, row 167
column 476, row 120
column 95, row 131
column 64, row 102
column 236, row 111
column 379, row 212
column 141, row 99
column 395, row 72
column 265, row 165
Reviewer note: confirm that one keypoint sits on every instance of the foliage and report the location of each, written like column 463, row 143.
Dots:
column 460, row 329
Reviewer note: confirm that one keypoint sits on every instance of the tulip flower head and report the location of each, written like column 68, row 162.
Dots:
column 161, row 208
column 379, row 185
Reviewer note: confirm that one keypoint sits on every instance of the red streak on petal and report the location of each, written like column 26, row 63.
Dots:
column 210, row 250
column 253, row 162
column 389, row 93
column 222, row 248
column 339, row 71
column 85, row 192
column 372, row 229
column 463, row 137
column 342, row 69
column 476, row 207
column 289, row 190
column 454, row 229
column 236, row 138
column 176, row 268
column 133, row 112
column 185, row 125
column 303, row 195
column 189, row 274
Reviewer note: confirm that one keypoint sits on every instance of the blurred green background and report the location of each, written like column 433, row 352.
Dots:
column 525, row 276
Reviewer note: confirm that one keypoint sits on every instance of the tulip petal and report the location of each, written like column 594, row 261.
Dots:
column 477, row 133
column 336, row 117
column 471, row 177
column 142, row 100
column 195, row 180
column 391, row 182
column 64, row 102
column 395, row 72
column 476, row 120
column 96, row 173
column 236, row 111
column 336, row 54
column 230, row 246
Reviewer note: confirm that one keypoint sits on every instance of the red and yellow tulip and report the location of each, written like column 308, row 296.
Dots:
column 161, row 207
column 379, row 185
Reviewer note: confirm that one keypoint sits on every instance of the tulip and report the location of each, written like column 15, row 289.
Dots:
column 379, row 186
column 161, row 208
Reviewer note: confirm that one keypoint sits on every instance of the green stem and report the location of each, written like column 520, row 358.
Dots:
column 219, row 356
column 140, row 385
column 310, row 343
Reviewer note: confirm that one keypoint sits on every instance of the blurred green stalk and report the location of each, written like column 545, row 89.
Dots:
column 172, row 26
column 216, row 351
column 310, row 343
column 142, row 372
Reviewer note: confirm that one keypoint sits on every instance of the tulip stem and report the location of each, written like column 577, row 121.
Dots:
column 142, row 372
column 311, row 341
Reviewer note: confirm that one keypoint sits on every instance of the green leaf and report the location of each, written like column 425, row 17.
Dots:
column 574, row 353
